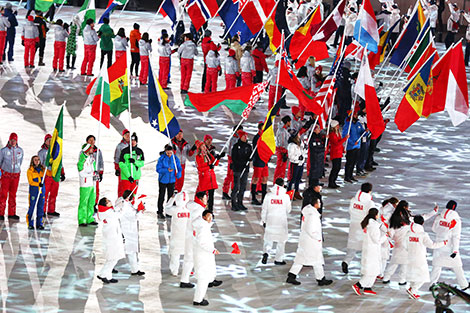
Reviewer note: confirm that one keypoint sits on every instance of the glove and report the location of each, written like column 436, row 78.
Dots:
column 101, row 177
column 284, row 157
column 117, row 173
column 62, row 177
column 264, row 225
column 453, row 255
column 211, row 166
column 193, row 148
column 41, row 184
column 220, row 156
column 131, row 179
column 22, row 43
column 132, row 160
column 301, row 158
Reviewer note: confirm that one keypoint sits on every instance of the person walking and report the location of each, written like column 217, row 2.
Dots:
column 168, row 169
column 29, row 39
column 145, row 48
column 187, row 51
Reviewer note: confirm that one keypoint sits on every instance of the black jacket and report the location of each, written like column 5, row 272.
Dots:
column 241, row 153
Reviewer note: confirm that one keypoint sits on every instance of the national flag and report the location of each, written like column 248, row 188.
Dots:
column 118, row 86
column 100, row 108
column 411, row 107
column 110, row 8
column 457, row 89
column 267, row 143
column 255, row 95
column 276, row 25
column 418, row 50
column 54, row 154
column 424, row 50
column 236, row 100
column 235, row 23
column 302, row 35
column 236, row 249
column 365, row 89
column 354, row 51
column 374, row 58
column 160, row 116
column 331, row 23
column 254, row 13
column 170, row 9
column 200, row 11
column 44, row 5
column 430, row 50
column 86, row 12
column 365, row 30
column 409, row 35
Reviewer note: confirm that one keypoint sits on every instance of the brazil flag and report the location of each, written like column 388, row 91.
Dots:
column 54, row 155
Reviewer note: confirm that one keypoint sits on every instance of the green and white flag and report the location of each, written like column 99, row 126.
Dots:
column 86, row 12
column 44, row 5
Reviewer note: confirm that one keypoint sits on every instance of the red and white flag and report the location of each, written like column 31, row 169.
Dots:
column 255, row 95
column 457, row 90
column 331, row 24
column 324, row 99
column 366, row 90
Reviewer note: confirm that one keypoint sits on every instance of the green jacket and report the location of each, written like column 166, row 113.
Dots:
column 125, row 165
column 106, row 35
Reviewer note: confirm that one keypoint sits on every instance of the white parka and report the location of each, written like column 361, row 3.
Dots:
column 371, row 261
column 120, row 43
column 276, row 207
column 417, row 240
column 129, row 225
column 385, row 214
column 297, row 153
column 195, row 211
column 358, row 209
column 204, row 250
column 180, row 221
column 113, row 244
column 247, row 63
column 444, row 231
column 309, row 251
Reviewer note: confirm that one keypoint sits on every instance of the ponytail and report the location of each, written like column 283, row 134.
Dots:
column 371, row 215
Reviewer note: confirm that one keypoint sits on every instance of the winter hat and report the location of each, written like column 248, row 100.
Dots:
column 207, row 136
column 13, row 136
column 8, row 5
column 231, row 53
column 208, row 33
column 125, row 131
column 134, row 137
column 451, row 205
column 334, row 123
column 198, row 143
column 241, row 133
column 30, row 18
column 47, row 137
column 86, row 148
column 286, row 119
column 319, row 67
column 295, row 110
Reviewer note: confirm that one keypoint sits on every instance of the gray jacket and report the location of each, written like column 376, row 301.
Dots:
column 144, row 47
column 42, row 154
column 212, row 60
column 11, row 158
column 247, row 63
column 282, row 137
column 164, row 50
column 30, row 31
column 4, row 23
column 187, row 50
column 231, row 66
column 119, row 148
column 120, row 43
column 90, row 37
column 60, row 34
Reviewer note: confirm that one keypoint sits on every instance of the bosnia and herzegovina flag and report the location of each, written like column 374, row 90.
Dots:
column 267, row 142
column 411, row 107
column 160, row 116
column 54, row 155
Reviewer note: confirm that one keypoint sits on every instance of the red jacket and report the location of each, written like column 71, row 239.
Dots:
column 260, row 60
column 208, row 45
column 207, row 179
column 336, row 146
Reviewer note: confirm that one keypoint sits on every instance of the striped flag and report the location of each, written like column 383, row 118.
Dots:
column 255, row 95
column 54, row 154
column 200, row 11
column 267, row 143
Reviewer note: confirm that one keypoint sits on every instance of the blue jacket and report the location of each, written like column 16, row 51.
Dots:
column 354, row 135
column 11, row 31
column 163, row 164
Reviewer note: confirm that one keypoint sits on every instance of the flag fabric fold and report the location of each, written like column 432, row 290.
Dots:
column 100, row 108
column 200, row 11
column 229, row 15
column 276, row 25
column 457, row 90
column 87, row 11
column 365, row 30
column 266, row 144
column 110, row 8
column 54, row 154
column 170, row 9
column 118, row 86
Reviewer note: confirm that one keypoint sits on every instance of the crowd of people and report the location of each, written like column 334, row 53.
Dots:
column 303, row 150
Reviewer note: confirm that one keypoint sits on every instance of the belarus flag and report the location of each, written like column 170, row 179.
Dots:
column 365, row 30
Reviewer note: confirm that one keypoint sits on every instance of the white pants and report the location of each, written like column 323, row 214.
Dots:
column 201, row 289
column 188, row 265
column 280, row 248
column 350, row 255
column 415, row 285
column 458, row 270
column 384, row 265
column 367, row 281
column 175, row 263
column 133, row 262
column 318, row 269
column 107, row 269
column 391, row 270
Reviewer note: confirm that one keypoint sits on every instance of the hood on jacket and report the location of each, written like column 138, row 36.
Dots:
column 278, row 190
column 181, row 198
column 416, row 228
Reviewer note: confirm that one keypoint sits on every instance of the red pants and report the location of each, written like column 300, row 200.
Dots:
column 280, row 171
column 59, row 54
column 120, row 188
column 88, row 60
column 9, row 182
column 50, row 194
column 272, row 94
column 29, row 51
column 144, row 69
column 228, row 181
column 211, row 80
column 247, row 79
column 180, row 181
column 2, row 44
column 120, row 54
column 230, row 81
column 164, row 64
column 127, row 185
column 186, row 73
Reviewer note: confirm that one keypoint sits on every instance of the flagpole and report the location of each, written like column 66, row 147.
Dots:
column 120, row 13
column 231, row 135
column 233, row 23
column 60, row 7
column 264, row 23
column 99, row 124
column 155, row 16
column 303, row 21
column 130, row 116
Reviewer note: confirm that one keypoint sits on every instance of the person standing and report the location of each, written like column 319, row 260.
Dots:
column 452, row 23
column 4, row 25
column 260, row 63
column 212, row 70
column 99, row 164
column 371, row 258
column 187, row 51
column 232, row 71
column 182, row 151
column 50, row 185
column 316, row 147
column 117, row 155
column 88, row 176
column 204, row 257
column 310, row 247
column 90, row 39
column 29, row 39
column 134, row 38
column 131, row 165
column 336, row 147
column 106, row 35
column 260, row 170
column 121, row 43
column 164, row 52
column 168, row 169
column 247, row 67
column 129, row 219
column 448, row 226
column 228, row 181
column 205, row 163
column 113, row 244
column 353, row 145
column 71, row 48
column 241, row 153
column 11, row 32
column 60, row 35
column 11, row 158
column 358, row 208
column 282, row 138
column 40, row 21
column 207, row 45
column 297, row 156
column 36, row 193
column 276, row 208
column 145, row 48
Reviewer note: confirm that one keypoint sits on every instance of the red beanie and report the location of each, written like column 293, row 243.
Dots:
column 241, row 133
column 13, row 136
column 207, row 137
column 231, row 53
column 125, row 131
column 295, row 110
column 30, row 18
column 47, row 137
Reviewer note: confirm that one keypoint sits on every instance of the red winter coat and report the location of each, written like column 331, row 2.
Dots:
column 208, row 45
column 336, row 145
column 207, row 179
column 260, row 60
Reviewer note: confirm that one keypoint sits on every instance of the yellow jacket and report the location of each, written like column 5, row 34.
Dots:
column 34, row 177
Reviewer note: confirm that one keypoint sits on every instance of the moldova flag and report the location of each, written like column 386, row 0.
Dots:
column 266, row 144
column 54, row 155
column 275, row 25
column 229, row 15
column 160, row 116
column 169, row 9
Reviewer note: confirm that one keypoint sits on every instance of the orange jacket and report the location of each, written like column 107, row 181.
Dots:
column 134, row 38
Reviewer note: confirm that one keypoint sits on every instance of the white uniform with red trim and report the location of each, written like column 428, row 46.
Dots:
column 358, row 209
column 371, row 260
column 113, row 244
column 130, row 229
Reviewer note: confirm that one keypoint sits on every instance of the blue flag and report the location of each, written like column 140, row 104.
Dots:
column 228, row 13
column 160, row 116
